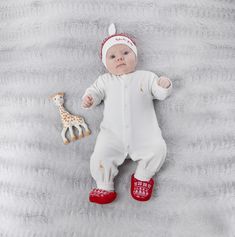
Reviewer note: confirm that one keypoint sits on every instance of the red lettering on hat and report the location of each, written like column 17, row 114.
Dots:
column 124, row 39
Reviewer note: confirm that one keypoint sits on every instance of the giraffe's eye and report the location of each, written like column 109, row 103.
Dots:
column 61, row 97
column 54, row 98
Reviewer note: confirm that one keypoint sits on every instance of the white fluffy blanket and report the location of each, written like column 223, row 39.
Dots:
column 47, row 46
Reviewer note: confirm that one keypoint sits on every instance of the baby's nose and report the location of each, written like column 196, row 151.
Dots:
column 120, row 58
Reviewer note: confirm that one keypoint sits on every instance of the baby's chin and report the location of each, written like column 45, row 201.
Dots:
column 122, row 71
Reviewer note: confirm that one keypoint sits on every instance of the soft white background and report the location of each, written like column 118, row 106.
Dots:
column 49, row 46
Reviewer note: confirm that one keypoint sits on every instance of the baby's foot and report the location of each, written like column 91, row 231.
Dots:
column 101, row 196
column 141, row 190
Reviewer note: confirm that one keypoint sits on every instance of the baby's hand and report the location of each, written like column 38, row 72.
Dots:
column 87, row 101
column 164, row 82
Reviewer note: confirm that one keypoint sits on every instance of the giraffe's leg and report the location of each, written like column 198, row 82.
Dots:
column 73, row 137
column 79, row 131
column 65, row 140
column 87, row 131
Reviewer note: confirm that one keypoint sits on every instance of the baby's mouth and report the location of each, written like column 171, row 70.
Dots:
column 122, row 64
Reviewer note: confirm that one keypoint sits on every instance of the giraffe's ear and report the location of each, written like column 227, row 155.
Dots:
column 52, row 96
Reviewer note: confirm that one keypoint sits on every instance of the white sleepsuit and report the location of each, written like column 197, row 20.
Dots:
column 129, row 126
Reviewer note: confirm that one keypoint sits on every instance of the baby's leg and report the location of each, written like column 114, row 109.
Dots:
column 150, row 161
column 106, row 158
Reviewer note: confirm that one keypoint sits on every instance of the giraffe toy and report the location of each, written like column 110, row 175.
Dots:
column 69, row 120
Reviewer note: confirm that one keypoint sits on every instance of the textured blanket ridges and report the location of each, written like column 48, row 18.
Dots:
column 52, row 46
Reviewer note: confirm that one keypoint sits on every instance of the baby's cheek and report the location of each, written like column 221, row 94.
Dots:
column 110, row 66
column 132, row 63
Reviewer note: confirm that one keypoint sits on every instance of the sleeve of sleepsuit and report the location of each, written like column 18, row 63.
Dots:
column 96, row 91
column 157, row 91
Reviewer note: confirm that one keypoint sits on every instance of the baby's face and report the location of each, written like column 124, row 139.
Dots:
column 120, row 59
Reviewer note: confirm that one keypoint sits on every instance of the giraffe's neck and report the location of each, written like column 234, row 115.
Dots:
column 62, row 111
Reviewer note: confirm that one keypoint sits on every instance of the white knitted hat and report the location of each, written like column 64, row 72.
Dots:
column 114, row 39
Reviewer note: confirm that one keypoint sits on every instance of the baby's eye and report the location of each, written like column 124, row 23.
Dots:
column 112, row 56
column 126, row 52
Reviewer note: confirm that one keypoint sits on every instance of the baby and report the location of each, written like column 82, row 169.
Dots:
column 129, row 125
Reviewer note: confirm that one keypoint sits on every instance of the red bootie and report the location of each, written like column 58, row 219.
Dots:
column 101, row 196
column 141, row 190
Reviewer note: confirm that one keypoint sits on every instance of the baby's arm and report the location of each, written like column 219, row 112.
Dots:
column 94, row 94
column 160, row 87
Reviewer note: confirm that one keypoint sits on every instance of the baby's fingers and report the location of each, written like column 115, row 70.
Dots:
column 90, row 98
column 163, row 82
column 86, row 105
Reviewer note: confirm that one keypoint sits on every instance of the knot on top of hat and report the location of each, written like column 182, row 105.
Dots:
column 112, row 29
